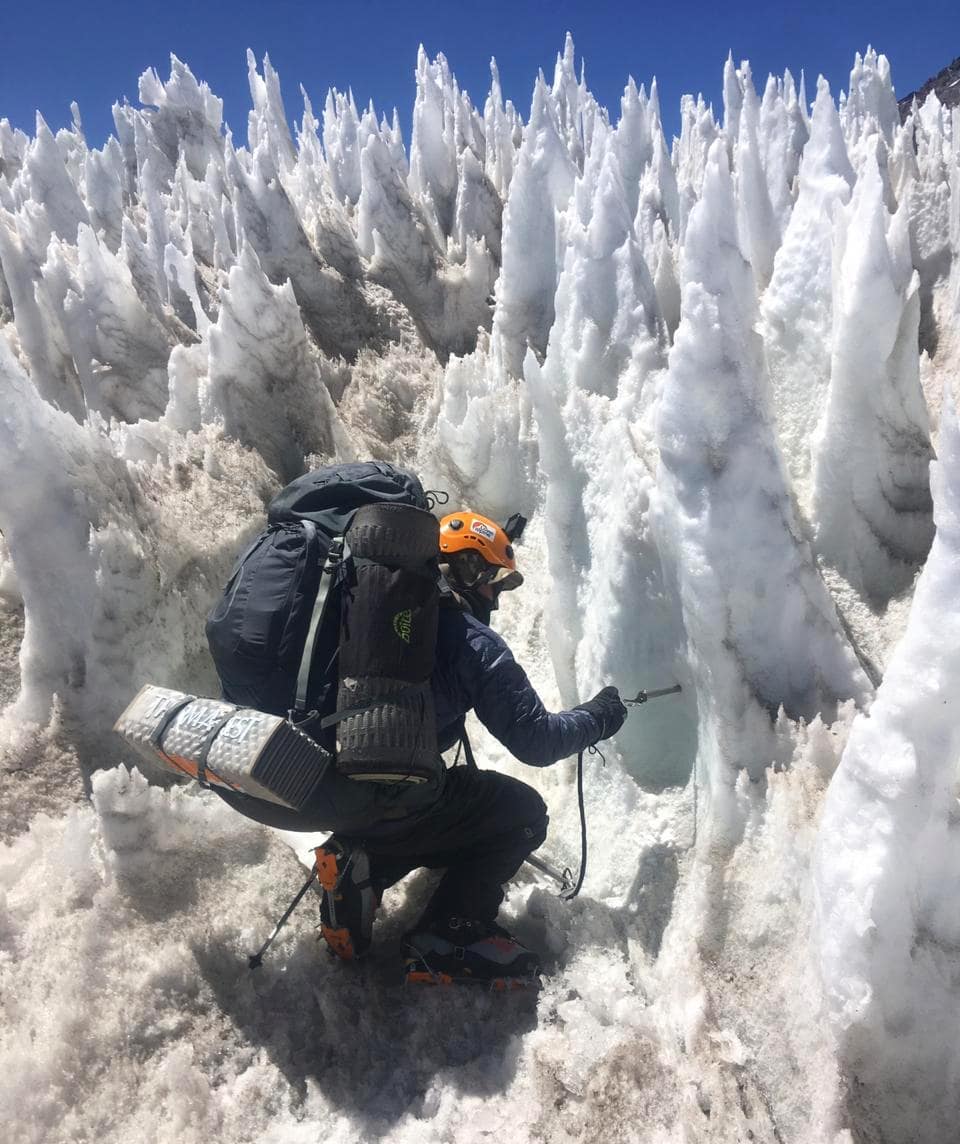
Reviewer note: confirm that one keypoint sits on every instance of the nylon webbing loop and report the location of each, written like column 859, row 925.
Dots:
column 208, row 743
column 347, row 712
column 168, row 717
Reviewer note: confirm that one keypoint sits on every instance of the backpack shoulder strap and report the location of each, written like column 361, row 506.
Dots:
column 336, row 553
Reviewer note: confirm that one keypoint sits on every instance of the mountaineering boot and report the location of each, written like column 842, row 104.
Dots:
column 456, row 951
column 347, row 899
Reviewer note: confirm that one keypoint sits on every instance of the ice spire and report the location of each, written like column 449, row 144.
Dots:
column 478, row 210
column 393, row 140
column 542, row 184
column 782, row 136
column 103, row 178
column 13, row 147
column 262, row 382
column 500, row 128
column 334, row 310
column 568, row 97
column 433, row 144
column 923, row 151
column 481, row 444
column 659, row 182
column 188, row 118
column 342, row 145
column 732, row 99
column 716, row 439
column 111, row 329
column 604, row 344
column 698, row 129
column 756, row 220
column 450, row 303
column 321, row 210
column 25, row 241
column 606, row 300
column 634, row 140
column 870, row 98
column 955, row 214
column 872, row 445
column 44, row 454
column 797, row 308
column 888, row 852
column 267, row 122
column 44, row 178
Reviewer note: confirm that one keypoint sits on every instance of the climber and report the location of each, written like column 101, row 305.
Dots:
column 479, row 825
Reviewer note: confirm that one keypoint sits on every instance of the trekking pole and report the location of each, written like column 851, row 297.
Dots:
column 256, row 959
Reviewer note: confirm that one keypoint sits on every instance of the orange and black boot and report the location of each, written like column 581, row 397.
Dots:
column 348, row 901
column 459, row 951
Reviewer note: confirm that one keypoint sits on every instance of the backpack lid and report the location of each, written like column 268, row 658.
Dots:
column 330, row 496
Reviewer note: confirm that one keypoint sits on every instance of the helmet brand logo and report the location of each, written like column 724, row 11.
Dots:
column 403, row 624
column 482, row 529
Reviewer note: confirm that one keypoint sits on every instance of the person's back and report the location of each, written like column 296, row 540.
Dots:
column 481, row 825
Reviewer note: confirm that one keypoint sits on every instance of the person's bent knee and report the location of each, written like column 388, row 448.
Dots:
column 535, row 833
column 530, row 807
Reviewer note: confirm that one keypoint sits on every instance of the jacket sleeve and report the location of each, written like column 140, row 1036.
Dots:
column 506, row 703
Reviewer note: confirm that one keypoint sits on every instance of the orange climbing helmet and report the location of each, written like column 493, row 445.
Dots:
column 465, row 536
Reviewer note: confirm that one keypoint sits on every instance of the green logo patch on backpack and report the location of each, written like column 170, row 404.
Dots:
column 403, row 624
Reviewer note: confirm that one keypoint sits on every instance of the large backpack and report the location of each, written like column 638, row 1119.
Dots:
column 330, row 618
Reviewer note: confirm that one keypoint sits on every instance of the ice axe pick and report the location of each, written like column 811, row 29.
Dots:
column 643, row 696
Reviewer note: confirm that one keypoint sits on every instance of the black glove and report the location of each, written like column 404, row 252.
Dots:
column 608, row 711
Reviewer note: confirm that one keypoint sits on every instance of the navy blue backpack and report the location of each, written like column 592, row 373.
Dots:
column 330, row 618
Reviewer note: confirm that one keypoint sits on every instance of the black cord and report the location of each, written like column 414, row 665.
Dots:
column 568, row 897
column 594, row 750
column 435, row 497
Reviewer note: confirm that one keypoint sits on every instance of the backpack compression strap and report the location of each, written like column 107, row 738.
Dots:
column 336, row 553
column 349, row 712
column 207, row 744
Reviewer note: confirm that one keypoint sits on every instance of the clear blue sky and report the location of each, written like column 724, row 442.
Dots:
column 55, row 52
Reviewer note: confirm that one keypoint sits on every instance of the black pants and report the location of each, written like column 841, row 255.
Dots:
column 479, row 830
column 477, row 825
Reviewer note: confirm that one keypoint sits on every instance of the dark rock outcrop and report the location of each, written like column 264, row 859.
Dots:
column 945, row 83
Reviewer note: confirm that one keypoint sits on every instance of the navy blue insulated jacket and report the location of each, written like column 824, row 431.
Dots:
column 475, row 670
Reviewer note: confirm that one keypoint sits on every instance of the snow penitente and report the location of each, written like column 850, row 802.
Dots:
column 713, row 372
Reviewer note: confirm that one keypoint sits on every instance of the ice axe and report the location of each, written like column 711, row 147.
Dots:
column 643, row 696
column 564, row 878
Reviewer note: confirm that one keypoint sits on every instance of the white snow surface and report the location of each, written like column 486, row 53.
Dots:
column 715, row 375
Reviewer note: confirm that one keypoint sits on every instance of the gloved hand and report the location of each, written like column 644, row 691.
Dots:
column 607, row 709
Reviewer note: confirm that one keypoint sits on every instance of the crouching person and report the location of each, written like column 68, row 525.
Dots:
column 476, row 825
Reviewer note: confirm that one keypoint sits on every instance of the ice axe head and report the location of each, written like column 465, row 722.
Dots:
column 643, row 696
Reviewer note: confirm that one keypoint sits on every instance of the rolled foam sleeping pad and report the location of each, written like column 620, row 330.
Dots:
column 388, row 633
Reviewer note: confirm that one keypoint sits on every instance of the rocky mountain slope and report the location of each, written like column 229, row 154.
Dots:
column 945, row 83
